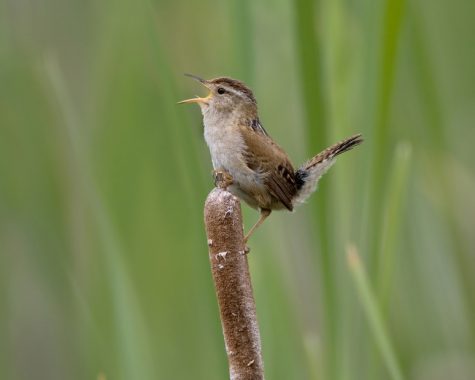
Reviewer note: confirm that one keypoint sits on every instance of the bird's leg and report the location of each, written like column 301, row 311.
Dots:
column 222, row 178
column 264, row 214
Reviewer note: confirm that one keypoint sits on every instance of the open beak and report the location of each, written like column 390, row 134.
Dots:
column 197, row 99
column 195, row 77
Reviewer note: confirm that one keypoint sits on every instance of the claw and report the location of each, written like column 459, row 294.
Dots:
column 222, row 179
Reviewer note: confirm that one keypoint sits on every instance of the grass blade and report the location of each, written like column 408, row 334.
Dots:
column 373, row 314
column 392, row 218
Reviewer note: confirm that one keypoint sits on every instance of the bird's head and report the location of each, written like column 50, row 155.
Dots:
column 225, row 95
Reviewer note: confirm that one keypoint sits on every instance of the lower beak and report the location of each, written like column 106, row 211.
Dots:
column 195, row 100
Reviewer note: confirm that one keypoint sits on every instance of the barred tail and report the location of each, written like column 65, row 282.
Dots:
column 308, row 174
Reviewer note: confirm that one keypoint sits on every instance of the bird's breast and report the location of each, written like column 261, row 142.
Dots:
column 227, row 147
column 225, row 144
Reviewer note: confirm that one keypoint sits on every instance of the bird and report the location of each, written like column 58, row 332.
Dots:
column 246, row 160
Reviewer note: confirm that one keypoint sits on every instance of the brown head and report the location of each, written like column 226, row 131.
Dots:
column 225, row 95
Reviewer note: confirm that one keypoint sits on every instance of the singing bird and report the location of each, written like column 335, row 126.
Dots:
column 247, row 161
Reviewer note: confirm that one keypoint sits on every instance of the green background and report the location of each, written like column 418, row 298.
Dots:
column 103, row 259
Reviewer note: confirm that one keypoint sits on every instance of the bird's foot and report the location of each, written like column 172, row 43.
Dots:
column 222, row 179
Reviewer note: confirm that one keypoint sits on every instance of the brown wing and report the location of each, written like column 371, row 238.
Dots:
column 265, row 156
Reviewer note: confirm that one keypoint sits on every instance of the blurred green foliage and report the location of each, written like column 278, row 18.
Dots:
column 103, row 256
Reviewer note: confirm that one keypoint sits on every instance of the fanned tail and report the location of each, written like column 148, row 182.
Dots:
column 308, row 174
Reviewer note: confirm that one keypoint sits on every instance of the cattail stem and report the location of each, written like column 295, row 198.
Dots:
column 232, row 282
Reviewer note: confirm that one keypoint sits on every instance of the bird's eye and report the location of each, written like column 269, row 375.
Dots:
column 221, row 91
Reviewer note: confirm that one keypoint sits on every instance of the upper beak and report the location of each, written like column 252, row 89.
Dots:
column 195, row 77
column 197, row 99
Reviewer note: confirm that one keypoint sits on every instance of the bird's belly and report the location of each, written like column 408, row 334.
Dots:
column 245, row 196
column 226, row 149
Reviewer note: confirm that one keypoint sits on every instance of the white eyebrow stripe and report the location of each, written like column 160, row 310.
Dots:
column 236, row 92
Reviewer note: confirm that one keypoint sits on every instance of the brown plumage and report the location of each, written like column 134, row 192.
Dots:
column 236, row 85
column 260, row 170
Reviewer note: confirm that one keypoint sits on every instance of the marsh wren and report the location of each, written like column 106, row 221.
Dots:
column 247, row 161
